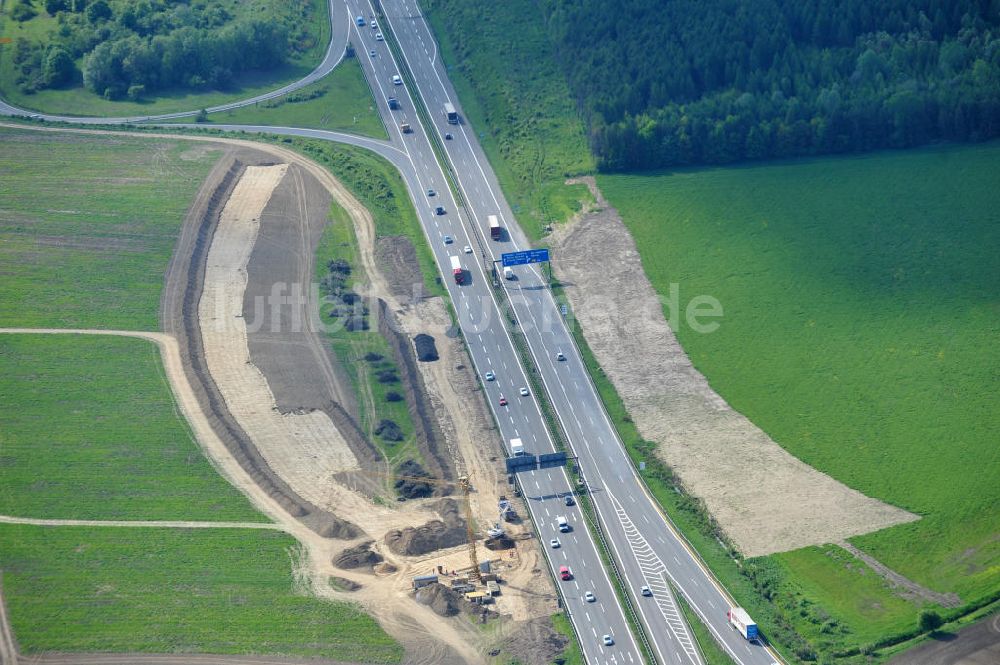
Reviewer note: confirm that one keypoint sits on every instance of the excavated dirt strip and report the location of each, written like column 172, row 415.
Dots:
column 764, row 498
column 307, row 446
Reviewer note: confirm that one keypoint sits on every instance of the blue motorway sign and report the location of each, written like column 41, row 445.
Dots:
column 520, row 258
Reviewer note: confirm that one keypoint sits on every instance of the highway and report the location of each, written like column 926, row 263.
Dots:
column 646, row 549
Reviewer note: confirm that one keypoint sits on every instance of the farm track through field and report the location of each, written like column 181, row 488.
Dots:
column 139, row 524
column 909, row 587
column 8, row 647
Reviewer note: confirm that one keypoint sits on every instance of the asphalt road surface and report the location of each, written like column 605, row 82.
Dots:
column 646, row 549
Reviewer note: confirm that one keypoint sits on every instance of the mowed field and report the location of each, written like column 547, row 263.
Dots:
column 88, row 223
column 174, row 591
column 89, row 430
column 860, row 328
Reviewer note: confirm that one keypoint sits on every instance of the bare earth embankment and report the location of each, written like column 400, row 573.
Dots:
column 765, row 499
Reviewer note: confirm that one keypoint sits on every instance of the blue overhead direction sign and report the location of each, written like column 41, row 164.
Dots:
column 521, row 258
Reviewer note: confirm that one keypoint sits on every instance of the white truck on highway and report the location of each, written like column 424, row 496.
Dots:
column 456, row 270
column 741, row 621
column 516, row 447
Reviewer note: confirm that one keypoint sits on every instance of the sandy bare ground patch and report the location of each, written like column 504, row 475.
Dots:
column 304, row 449
column 773, row 504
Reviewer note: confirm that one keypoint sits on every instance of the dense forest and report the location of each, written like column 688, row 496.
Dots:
column 134, row 47
column 717, row 81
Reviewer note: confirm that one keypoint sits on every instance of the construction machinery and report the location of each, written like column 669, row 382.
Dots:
column 466, row 487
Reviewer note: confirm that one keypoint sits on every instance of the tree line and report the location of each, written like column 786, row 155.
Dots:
column 130, row 48
column 718, row 81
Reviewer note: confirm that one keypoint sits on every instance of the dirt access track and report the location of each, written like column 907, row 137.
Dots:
column 270, row 405
column 775, row 504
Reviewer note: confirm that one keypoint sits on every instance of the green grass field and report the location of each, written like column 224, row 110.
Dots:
column 88, row 225
column 338, row 242
column 379, row 187
column 340, row 101
column 879, row 275
column 89, row 430
column 174, row 591
column 523, row 112
column 76, row 100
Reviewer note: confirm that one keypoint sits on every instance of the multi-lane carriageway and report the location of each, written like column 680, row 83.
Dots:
column 645, row 548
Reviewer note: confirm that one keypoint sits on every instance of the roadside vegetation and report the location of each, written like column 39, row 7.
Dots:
column 91, row 431
column 709, row 648
column 90, row 224
column 523, row 112
column 111, row 57
column 572, row 654
column 877, row 275
column 340, row 101
column 379, row 187
column 363, row 352
column 222, row 591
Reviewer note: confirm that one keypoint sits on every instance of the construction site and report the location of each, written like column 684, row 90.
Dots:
column 430, row 555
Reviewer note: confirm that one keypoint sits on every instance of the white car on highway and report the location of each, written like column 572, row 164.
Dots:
column 396, row 80
column 524, row 392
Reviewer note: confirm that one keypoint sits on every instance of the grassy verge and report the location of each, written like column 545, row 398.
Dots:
column 379, row 187
column 339, row 101
column 709, row 648
column 89, row 225
column 175, row 591
column 364, row 353
column 76, row 100
column 572, row 655
column 91, row 431
column 523, row 111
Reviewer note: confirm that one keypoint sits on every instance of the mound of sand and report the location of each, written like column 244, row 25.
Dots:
column 359, row 556
column 441, row 599
column 448, row 531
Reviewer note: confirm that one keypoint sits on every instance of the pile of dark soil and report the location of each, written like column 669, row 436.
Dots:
column 410, row 488
column 501, row 543
column 441, row 599
column 448, row 531
column 359, row 556
column 426, row 349
column 344, row 584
